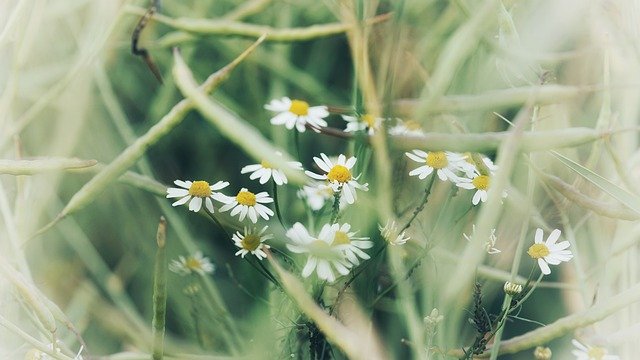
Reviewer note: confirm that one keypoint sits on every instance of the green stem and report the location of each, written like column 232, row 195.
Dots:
column 423, row 202
column 277, row 205
column 335, row 210
column 159, row 292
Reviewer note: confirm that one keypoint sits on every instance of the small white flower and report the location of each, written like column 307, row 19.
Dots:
column 480, row 183
column 489, row 246
column 407, row 128
column 297, row 113
column 445, row 163
column 249, row 203
column 265, row 171
column 349, row 244
column 469, row 167
column 318, row 194
column 252, row 241
column 586, row 352
column 339, row 175
column 549, row 252
column 192, row 264
column 196, row 191
column 365, row 122
column 322, row 257
column 392, row 235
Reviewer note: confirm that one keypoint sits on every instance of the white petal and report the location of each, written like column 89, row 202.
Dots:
column 352, row 161
column 195, row 204
column 181, row 201
column 252, row 215
column 175, row 192
column 416, row 157
column 183, row 184
column 553, row 237
column 544, row 267
column 539, row 235
column 250, row 168
column 209, row 204
column 309, row 266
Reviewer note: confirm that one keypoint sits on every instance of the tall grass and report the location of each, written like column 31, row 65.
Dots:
column 91, row 140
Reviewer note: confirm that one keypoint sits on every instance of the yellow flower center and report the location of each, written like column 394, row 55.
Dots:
column 299, row 107
column 339, row 173
column 200, row 189
column 596, row 353
column 437, row 159
column 193, row 263
column 538, row 251
column 251, row 242
column 246, row 198
column 265, row 164
column 341, row 238
column 369, row 120
column 412, row 125
column 481, row 182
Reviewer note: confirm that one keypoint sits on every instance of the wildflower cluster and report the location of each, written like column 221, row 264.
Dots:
column 331, row 248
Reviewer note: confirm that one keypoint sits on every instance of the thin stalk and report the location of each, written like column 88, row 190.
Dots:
column 335, row 210
column 423, row 202
column 277, row 205
column 218, row 223
column 159, row 292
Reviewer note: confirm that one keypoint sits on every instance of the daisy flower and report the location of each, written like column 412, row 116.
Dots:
column 265, row 171
column 196, row 191
column 322, row 257
column 297, row 113
column 489, row 246
column 364, row 122
column 445, row 164
column 249, row 203
column 350, row 245
column 316, row 195
column 392, row 235
column 339, row 175
column 195, row 263
column 549, row 252
column 409, row 127
column 480, row 183
column 470, row 169
column 586, row 352
column 252, row 241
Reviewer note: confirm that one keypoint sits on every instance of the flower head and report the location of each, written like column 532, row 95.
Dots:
column 265, row 171
column 470, row 169
column 339, row 175
column 322, row 256
column 364, row 122
column 317, row 195
column 549, row 252
column 297, row 113
column 248, row 203
column 195, row 263
column 196, row 191
column 392, row 235
column 350, row 245
column 480, row 183
column 586, row 352
column 252, row 241
column 407, row 128
column 542, row 353
column 489, row 246
column 445, row 163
